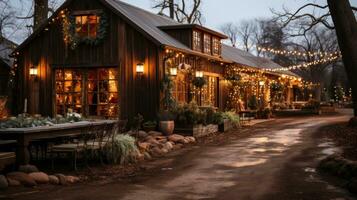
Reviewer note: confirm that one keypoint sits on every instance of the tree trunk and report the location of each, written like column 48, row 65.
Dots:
column 40, row 12
column 346, row 30
column 172, row 9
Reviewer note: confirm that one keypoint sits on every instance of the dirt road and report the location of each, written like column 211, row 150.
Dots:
column 276, row 162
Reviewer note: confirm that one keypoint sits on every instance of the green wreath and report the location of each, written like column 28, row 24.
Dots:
column 71, row 38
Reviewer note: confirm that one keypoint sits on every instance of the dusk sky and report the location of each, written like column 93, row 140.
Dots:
column 217, row 12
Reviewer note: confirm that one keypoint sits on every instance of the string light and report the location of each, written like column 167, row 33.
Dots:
column 299, row 53
column 307, row 65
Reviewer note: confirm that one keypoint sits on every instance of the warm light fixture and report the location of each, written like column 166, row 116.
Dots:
column 173, row 71
column 261, row 83
column 140, row 68
column 199, row 74
column 33, row 71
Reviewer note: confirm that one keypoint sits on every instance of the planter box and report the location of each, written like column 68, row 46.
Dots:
column 198, row 130
column 226, row 126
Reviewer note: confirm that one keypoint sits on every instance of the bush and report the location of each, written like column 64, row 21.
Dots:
column 232, row 117
column 123, row 150
column 190, row 115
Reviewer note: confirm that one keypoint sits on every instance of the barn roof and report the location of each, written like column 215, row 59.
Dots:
column 245, row 58
column 152, row 26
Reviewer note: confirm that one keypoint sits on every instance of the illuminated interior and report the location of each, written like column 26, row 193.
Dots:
column 92, row 92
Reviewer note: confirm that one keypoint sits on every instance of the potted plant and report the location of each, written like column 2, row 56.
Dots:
column 149, row 126
column 166, row 122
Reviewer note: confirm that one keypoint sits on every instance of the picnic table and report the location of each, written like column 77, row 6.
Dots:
column 24, row 136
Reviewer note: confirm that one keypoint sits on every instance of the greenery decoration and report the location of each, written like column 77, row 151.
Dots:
column 26, row 121
column 73, row 40
column 199, row 82
column 168, row 100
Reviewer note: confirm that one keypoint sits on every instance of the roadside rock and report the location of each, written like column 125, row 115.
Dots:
column 191, row 139
column 140, row 157
column 155, row 133
column 153, row 142
column 23, row 178
column 28, row 168
column 40, row 177
column 177, row 138
column 62, row 179
column 156, row 151
column 139, row 134
column 53, row 180
column 143, row 146
column 3, row 182
column 71, row 179
column 168, row 146
column 13, row 183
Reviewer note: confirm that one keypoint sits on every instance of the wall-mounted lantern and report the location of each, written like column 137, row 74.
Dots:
column 140, row 68
column 33, row 71
column 173, row 71
column 199, row 74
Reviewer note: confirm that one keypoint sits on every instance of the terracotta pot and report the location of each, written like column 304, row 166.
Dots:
column 167, row 127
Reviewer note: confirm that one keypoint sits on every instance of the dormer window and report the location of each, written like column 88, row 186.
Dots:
column 216, row 43
column 207, row 43
column 87, row 25
column 197, row 41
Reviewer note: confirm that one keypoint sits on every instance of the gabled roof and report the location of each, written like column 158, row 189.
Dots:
column 245, row 58
column 152, row 26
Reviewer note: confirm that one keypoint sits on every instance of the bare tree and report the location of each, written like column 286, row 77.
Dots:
column 246, row 31
column 345, row 25
column 185, row 11
column 232, row 31
column 7, row 17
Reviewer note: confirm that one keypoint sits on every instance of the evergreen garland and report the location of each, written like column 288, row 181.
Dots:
column 69, row 31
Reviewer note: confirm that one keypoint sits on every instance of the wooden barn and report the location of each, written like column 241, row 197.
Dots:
column 106, row 58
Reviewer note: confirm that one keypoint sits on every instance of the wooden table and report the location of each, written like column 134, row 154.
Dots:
column 24, row 136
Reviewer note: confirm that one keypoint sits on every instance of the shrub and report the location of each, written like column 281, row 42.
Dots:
column 232, row 117
column 123, row 150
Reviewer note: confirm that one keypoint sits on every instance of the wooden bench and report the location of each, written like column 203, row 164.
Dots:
column 7, row 158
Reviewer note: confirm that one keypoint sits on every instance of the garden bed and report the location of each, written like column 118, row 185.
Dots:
column 198, row 130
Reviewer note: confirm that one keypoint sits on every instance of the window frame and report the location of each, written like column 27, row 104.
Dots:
column 85, row 91
column 216, row 46
column 195, row 43
column 207, row 43
column 87, row 14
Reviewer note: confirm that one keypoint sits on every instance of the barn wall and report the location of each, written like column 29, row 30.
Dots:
column 123, row 47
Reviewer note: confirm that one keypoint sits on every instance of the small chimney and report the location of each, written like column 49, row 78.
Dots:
column 172, row 9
